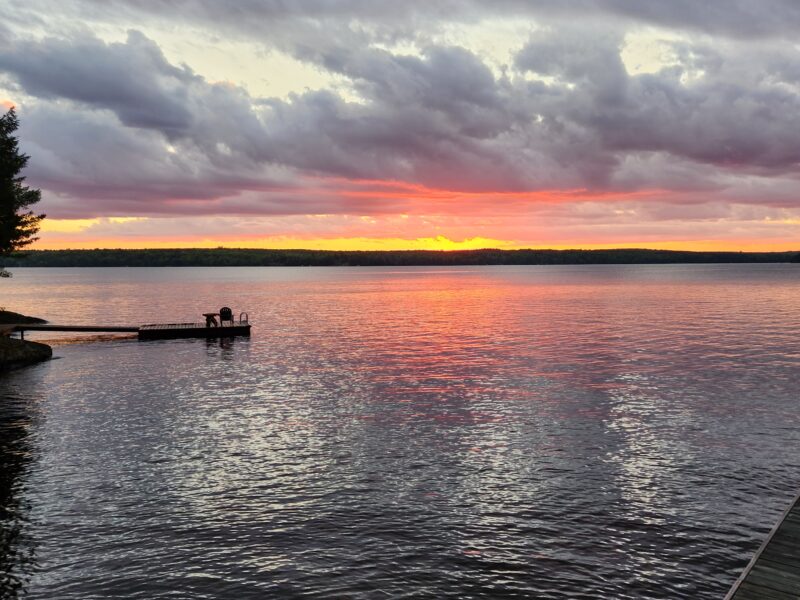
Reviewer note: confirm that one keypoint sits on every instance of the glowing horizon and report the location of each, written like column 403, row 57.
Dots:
column 440, row 242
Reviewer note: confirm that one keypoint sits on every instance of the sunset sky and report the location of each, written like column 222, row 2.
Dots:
column 370, row 124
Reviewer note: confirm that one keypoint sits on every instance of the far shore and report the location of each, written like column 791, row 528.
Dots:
column 243, row 257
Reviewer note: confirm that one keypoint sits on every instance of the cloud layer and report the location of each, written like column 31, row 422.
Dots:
column 429, row 125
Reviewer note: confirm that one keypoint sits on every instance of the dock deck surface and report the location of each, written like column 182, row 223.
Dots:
column 182, row 330
column 774, row 571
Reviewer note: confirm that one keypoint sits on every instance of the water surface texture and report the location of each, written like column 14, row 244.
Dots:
column 485, row 432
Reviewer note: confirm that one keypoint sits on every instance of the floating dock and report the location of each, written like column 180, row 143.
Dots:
column 155, row 331
column 191, row 330
column 774, row 571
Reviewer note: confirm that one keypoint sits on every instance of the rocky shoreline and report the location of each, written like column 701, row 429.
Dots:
column 16, row 353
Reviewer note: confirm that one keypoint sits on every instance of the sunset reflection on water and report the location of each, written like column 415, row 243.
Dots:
column 531, row 431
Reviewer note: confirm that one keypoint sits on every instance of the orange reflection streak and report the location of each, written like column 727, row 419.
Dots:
column 432, row 345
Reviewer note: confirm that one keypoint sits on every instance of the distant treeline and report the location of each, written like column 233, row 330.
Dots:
column 234, row 257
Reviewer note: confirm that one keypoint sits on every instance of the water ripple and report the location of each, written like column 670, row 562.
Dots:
column 547, row 432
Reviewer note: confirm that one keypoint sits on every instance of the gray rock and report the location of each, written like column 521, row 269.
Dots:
column 17, row 353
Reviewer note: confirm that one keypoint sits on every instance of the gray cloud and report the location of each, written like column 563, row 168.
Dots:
column 117, row 124
column 742, row 113
column 735, row 18
column 132, row 79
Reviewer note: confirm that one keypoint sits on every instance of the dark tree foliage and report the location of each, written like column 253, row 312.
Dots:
column 18, row 224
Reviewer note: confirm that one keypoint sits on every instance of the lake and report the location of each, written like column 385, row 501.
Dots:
column 477, row 432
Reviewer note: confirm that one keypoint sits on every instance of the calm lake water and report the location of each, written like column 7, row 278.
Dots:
column 486, row 432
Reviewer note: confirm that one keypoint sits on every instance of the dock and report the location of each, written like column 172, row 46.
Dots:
column 192, row 330
column 154, row 331
column 774, row 571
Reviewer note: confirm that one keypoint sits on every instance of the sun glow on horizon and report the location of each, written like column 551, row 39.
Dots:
column 65, row 234
column 49, row 226
column 275, row 243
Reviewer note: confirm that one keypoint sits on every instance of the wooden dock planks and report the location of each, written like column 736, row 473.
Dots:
column 161, row 331
column 774, row 571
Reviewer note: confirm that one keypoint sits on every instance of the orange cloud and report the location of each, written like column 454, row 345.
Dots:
column 428, row 197
column 606, row 221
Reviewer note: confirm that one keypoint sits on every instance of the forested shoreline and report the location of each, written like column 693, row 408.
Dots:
column 219, row 257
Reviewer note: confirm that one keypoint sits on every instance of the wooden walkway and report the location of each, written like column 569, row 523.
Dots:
column 85, row 328
column 774, row 572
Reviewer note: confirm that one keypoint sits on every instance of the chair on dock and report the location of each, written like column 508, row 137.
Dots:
column 225, row 316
